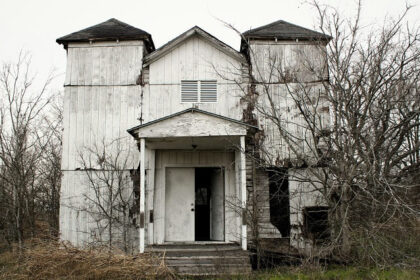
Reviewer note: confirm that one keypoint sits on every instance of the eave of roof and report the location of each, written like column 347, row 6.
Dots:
column 166, row 48
column 109, row 30
column 283, row 30
column 189, row 110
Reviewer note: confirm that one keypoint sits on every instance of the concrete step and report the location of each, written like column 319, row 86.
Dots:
column 175, row 261
column 193, row 247
column 204, row 270
column 204, row 259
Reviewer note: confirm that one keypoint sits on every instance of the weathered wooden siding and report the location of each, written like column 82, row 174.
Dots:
column 270, row 61
column 194, row 59
column 276, row 62
column 101, row 101
column 78, row 213
column 304, row 191
column 98, row 115
column 192, row 124
column 98, row 111
column 106, row 63
column 178, row 158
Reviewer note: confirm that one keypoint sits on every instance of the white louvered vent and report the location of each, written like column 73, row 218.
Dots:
column 208, row 91
column 189, row 91
column 199, row 91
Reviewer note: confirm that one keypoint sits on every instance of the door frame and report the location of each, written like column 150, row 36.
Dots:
column 209, row 165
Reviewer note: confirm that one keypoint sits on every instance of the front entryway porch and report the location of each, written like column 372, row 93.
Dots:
column 192, row 180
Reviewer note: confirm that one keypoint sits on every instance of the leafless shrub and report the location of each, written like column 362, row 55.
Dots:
column 111, row 195
column 55, row 260
column 29, row 152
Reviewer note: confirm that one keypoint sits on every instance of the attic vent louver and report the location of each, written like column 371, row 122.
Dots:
column 189, row 91
column 199, row 91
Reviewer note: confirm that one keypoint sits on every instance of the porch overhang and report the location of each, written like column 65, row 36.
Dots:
column 190, row 123
column 191, row 129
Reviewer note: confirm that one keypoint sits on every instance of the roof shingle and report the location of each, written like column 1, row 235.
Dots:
column 283, row 30
column 111, row 29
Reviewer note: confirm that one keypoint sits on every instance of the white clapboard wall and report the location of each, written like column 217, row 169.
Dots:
column 193, row 59
column 101, row 101
column 273, row 64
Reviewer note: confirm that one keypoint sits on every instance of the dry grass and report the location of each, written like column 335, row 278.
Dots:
column 53, row 260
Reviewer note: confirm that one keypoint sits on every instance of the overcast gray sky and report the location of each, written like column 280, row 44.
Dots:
column 34, row 25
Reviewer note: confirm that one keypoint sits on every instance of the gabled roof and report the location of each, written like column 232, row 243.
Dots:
column 283, row 30
column 189, row 110
column 111, row 29
column 160, row 52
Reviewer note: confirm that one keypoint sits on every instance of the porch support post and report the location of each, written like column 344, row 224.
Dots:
column 243, row 192
column 142, row 194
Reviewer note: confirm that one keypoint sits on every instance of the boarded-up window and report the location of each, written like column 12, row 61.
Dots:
column 315, row 223
column 199, row 91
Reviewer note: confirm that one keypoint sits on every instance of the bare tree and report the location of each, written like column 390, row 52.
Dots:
column 49, row 168
column 343, row 117
column 111, row 196
column 22, row 147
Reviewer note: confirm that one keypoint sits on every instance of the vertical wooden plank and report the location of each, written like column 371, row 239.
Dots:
column 108, row 65
column 67, row 80
column 116, row 104
column 88, row 62
column 96, row 63
column 102, row 65
column 66, row 129
column 150, row 194
column 75, row 67
column 142, row 194
column 167, row 71
column 243, row 190
column 87, row 117
column 82, row 65
column 175, row 66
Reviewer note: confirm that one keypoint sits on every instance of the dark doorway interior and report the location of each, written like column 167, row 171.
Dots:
column 209, row 204
column 315, row 223
column 202, row 204
column 279, row 200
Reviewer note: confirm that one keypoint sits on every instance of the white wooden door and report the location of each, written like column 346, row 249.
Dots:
column 179, row 204
column 217, row 211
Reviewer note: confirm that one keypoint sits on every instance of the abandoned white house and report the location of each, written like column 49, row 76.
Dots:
column 183, row 127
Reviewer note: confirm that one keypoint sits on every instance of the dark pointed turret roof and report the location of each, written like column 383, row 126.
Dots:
column 283, row 30
column 111, row 29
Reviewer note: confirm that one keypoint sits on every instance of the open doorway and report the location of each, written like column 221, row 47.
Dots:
column 209, row 204
column 194, row 204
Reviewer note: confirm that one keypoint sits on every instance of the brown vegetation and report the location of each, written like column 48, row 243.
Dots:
column 55, row 260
